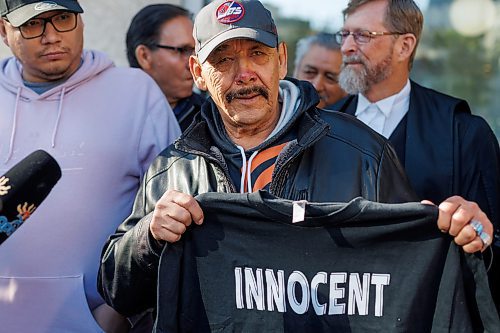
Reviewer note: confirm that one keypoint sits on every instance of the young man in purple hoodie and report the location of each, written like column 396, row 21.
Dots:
column 103, row 125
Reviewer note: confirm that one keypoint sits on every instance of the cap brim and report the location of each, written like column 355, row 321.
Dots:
column 260, row 36
column 21, row 15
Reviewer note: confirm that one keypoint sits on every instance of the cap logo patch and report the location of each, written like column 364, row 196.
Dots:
column 230, row 12
column 45, row 5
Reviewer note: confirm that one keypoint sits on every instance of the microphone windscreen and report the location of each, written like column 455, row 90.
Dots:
column 23, row 188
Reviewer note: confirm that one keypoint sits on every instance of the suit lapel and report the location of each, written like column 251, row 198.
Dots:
column 429, row 154
column 347, row 104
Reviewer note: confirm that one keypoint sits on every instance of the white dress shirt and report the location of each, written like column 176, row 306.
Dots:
column 384, row 116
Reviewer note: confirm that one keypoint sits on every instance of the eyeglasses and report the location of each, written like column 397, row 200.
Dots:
column 361, row 37
column 62, row 22
column 184, row 51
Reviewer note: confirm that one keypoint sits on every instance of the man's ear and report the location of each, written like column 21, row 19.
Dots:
column 196, row 69
column 143, row 56
column 3, row 32
column 283, row 59
column 407, row 44
column 81, row 21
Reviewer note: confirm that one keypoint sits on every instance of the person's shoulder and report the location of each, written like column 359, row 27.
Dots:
column 458, row 109
column 98, row 64
column 128, row 73
column 340, row 104
column 343, row 123
column 131, row 83
column 348, row 129
column 421, row 92
column 169, row 158
column 473, row 124
column 196, row 99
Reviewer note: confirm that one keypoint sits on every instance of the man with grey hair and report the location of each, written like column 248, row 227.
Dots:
column 318, row 60
column 444, row 148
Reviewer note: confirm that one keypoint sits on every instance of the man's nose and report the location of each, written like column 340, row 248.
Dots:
column 348, row 45
column 246, row 71
column 318, row 82
column 50, row 35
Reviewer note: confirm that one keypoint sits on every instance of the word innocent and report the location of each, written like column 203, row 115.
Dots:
column 268, row 289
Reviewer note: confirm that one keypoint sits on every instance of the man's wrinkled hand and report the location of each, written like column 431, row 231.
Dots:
column 173, row 213
column 466, row 222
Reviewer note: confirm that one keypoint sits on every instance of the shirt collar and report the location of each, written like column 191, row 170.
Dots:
column 385, row 105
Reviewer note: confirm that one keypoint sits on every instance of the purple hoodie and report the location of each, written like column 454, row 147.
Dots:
column 103, row 125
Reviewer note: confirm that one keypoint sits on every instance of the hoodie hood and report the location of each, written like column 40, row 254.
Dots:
column 93, row 63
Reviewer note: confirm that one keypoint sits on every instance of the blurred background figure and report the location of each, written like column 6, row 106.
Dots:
column 160, row 41
column 318, row 60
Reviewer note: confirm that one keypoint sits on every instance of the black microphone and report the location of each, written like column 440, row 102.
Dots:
column 23, row 188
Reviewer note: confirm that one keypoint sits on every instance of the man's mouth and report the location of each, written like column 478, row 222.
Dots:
column 53, row 54
column 352, row 60
column 247, row 93
column 248, row 96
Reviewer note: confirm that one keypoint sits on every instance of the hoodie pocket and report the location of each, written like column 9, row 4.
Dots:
column 45, row 305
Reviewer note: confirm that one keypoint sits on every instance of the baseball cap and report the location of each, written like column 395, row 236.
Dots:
column 222, row 20
column 19, row 12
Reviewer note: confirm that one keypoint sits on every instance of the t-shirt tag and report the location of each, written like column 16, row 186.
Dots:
column 299, row 211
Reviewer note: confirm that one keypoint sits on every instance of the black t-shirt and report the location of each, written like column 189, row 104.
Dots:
column 355, row 267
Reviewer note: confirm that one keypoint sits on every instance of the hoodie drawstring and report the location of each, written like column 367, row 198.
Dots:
column 14, row 122
column 14, row 125
column 59, row 113
column 243, row 169
column 249, row 171
column 246, row 170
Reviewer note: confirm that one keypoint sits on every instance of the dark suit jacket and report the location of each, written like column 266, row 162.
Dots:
column 448, row 151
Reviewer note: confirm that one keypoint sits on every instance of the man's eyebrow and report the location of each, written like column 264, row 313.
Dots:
column 257, row 45
column 221, row 48
column 332, row 75
column 310, row 67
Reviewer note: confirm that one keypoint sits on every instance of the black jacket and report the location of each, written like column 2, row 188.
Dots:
column 187, row 109
column 334, row 158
